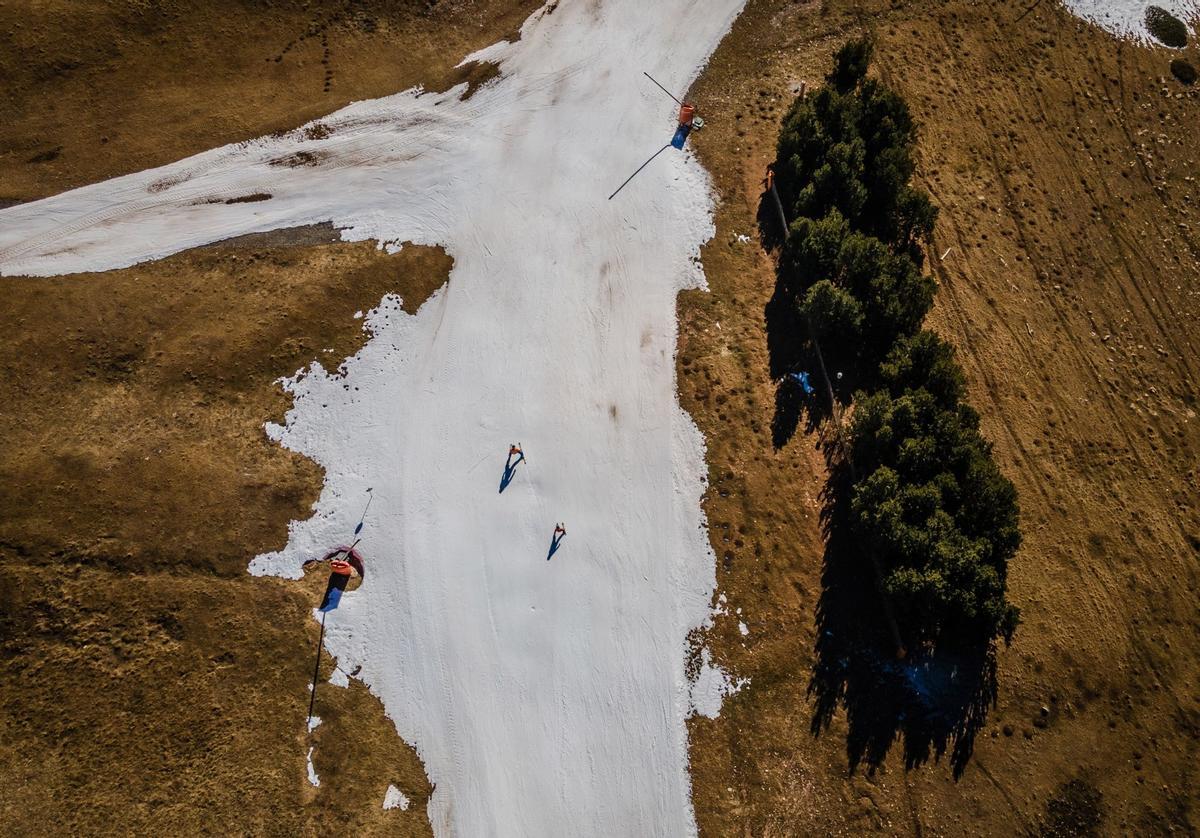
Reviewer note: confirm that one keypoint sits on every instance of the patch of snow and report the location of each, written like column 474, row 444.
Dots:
column 358, row 315
column 1127, row 18
column 312, row 772
column 544, row 698
column 742, row 238
column 313, row 722
column 339, row 678
column 743, row 629
column 395, row 799
column 711, row 686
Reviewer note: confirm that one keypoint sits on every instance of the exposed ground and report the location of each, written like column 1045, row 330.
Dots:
column 1063, row 164
column 151, row 685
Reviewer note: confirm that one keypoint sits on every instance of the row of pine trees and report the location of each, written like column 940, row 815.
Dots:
column 927, row 498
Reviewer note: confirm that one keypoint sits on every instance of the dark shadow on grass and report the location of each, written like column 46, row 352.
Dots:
column 936, row 701
column 770, row 226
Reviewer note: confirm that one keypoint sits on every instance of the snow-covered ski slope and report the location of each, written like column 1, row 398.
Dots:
column 547, row 698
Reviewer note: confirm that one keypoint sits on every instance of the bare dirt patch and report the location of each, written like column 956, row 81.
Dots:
column 1066, row 252
column 152, row 685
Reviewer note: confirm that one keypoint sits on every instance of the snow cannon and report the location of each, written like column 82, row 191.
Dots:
column 687, row 121
column 345, row 560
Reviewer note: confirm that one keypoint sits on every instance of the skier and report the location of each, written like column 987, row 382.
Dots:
column 510, row 465
column 560, row 532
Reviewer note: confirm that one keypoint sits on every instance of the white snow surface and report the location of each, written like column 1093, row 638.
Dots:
column 1127, row 18
column 711, row 687
column 395, row 799
column 545, row 698
column 313, row 779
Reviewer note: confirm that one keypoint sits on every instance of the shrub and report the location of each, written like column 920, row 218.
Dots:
column 1167, row 28
column 1183, row 71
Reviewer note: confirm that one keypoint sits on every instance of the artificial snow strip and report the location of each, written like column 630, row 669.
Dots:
column 545, row 698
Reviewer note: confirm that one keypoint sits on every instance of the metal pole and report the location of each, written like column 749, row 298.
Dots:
column 316, row 671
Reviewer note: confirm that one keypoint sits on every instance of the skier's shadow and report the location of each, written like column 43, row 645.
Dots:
column 554, row 542
column 510, row 471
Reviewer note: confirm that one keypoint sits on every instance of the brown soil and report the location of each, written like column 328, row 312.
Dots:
column 151, row 684
column 1064, row 165
column 98, row 88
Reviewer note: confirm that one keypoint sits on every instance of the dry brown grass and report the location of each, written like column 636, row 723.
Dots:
column 151, row 684
column 1060, row 160
column 98, row 88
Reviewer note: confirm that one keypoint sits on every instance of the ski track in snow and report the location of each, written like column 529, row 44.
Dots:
column 546, row 698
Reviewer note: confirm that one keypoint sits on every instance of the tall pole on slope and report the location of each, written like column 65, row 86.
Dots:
column 312, row 696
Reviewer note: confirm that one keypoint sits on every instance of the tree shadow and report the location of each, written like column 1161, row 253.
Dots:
column 935, row 701
column 790, row 350
column 770, row 226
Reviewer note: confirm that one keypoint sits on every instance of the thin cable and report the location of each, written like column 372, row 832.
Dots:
column 660, row 87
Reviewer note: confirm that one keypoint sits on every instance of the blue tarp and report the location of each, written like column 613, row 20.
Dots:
column 333, row 592
column 801, row 378
column 681, row 135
